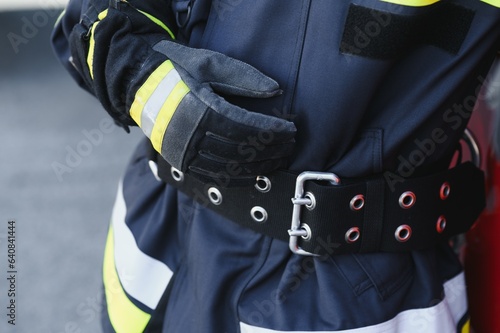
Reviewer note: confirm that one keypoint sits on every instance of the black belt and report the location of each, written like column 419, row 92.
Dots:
column 317, row 216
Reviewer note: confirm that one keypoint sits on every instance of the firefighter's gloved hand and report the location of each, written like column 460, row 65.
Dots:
column 198, row 131
column 140, row 76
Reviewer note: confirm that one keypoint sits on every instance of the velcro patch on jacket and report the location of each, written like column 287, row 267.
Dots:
column 384, row 35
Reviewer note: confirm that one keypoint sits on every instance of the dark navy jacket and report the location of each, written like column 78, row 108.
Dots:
column 374, row 87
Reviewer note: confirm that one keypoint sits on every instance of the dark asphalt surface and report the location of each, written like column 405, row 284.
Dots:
column 60, row 162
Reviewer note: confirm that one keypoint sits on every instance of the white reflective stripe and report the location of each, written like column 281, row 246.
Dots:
column 456, row 299
column 155, row 102
column 141, row 276
column 441, row 318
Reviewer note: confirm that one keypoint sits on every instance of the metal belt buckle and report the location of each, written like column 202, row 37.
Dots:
column 300, row 199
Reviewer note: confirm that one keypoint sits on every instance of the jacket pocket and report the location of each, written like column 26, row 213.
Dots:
column 385, row 272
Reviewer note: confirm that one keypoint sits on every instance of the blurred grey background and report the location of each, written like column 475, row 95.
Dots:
column 60, row 162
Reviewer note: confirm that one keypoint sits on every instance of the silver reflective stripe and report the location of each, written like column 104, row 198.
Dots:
column 156, row 100
column 441, row 318
column 142, row 277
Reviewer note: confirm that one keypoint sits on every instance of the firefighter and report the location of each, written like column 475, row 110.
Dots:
column 296, row 169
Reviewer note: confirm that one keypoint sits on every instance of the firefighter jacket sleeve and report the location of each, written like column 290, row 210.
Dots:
column 129, row 59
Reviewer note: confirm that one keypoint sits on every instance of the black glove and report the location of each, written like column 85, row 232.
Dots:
column 171, row 92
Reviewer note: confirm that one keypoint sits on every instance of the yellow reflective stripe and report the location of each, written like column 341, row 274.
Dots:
column 495, row 3
column 412, row 3
column 124, row 316
column 163, row 119
column 90, row 55
column 156, row 101
column 158, row 22
column 147, row 89
column 466, row 327
column 102, row 15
